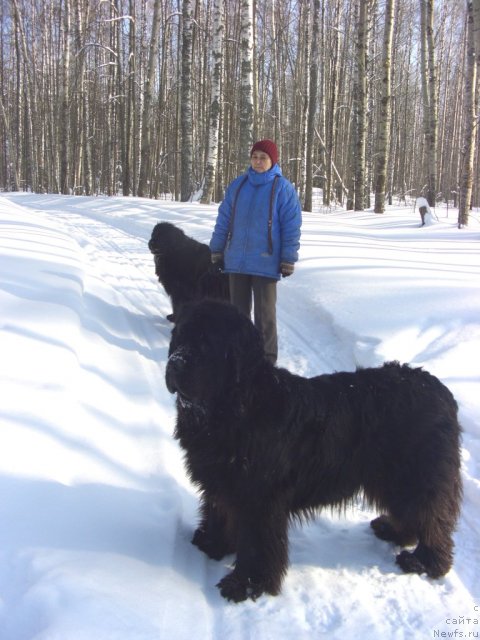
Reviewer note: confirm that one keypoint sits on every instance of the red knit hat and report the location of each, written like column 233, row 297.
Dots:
column 267, row 146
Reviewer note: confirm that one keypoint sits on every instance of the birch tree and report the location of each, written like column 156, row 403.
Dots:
column 312, row 106
column 82, row 143
column 215, row 101
column 246, row 81
column 429, row 91
column 276, row 76
column 147, row 122
column 26, row 89
column 360, row 106
column 129, row 163
column 476, row 30
column 186, row 103
column 384, row 124
column 468, row 151
column 303, row 79
column 64, row 125
column 331, row 129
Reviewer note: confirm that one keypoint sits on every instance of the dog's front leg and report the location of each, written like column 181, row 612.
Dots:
column 215, row 534
column 262, row 555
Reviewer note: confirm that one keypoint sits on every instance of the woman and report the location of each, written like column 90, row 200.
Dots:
column 256, row 238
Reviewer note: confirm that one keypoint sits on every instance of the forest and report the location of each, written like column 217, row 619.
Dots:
column 370, row 101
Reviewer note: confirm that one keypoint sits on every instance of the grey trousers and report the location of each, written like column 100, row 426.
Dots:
column 264, row 292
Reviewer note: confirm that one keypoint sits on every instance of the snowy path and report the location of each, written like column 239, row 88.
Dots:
column 95, row 510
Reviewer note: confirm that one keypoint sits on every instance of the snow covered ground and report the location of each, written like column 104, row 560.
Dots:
column 96, row 512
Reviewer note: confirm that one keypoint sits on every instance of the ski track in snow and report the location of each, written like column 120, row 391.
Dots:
column 108, row 555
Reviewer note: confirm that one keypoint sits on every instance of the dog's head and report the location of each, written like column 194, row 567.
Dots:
column 164, row 236
column 214, row 352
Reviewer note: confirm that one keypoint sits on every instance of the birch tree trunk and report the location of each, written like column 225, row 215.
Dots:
column 432, row 83
column 332, row 106
column 360, row 107
column 12, row 177
column 64, row 124
column 119, row 107
column 214, row 120
column 322, row 156
column 312, row 107
column 430, row 108
column 476, row 30
column 186, row 186
column 147, row 119
column 276, row 77
column 384, row 125
column 303, row 64
column 82, row 152
column 31, row 172
column 371, row 101
column 128, row 160
column 468, row 151
column 116, row 139
column 246, row 81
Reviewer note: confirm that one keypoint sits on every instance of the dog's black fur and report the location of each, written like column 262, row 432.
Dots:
column 265, row 446
column 183, row 267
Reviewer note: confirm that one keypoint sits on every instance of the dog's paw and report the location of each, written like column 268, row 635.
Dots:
column 383, row 529
column 409, row 563
column 236, row 590
column 434, row 562
column 212, row 548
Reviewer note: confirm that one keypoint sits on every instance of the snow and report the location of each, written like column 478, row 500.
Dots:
column 96, row 512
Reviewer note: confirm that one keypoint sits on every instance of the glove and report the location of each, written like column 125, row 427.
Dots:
column 286, row 269
column 217, row 263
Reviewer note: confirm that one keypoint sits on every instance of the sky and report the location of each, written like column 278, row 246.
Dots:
column 96, row 511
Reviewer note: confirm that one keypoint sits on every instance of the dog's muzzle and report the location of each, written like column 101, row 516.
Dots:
column 152, row 247
column 175, row 366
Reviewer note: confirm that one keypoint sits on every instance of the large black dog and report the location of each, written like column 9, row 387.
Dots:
column 265, row 446
column 183, row 267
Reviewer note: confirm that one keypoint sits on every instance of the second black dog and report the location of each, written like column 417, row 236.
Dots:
column 183, row 267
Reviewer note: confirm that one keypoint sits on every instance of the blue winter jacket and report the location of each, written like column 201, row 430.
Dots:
column 245, row 243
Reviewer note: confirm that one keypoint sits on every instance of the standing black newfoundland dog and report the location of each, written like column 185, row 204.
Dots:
column 266, row 446
column 183, row 267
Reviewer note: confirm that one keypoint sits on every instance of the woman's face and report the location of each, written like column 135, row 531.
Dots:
column 260, row 161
